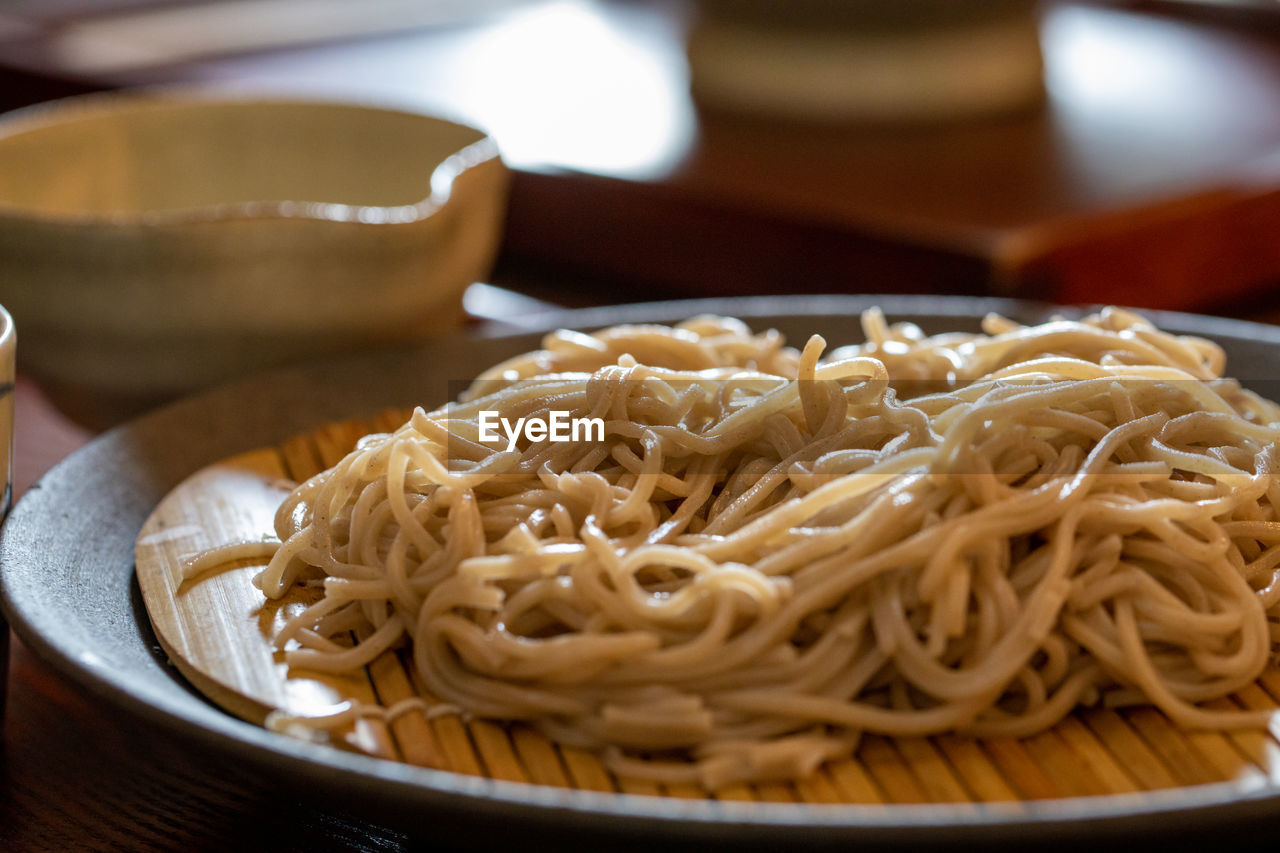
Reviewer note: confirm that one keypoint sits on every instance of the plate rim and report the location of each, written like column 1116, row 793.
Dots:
column 547, row 808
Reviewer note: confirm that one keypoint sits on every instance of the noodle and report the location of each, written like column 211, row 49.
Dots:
column 770, row 551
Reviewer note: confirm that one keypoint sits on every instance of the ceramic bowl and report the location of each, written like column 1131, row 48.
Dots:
column 155, row 243
column 913, row 62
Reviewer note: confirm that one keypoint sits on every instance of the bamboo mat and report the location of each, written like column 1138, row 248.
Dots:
column 218, row 631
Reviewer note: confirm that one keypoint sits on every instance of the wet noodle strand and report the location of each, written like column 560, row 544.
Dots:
column 773, row 551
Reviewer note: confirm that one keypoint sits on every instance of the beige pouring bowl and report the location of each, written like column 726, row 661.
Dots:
column 153, row 243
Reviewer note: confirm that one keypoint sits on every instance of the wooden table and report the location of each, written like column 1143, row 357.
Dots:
column 71, row 779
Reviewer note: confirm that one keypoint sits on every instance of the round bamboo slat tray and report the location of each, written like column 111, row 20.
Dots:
column 218, row 630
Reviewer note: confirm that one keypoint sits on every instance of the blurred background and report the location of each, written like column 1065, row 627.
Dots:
column 1078, row 152
column 1082, row 152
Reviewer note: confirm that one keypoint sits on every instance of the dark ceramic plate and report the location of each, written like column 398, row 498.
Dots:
column 67, row 567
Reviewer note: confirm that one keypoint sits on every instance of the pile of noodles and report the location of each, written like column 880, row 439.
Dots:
column 772, row 552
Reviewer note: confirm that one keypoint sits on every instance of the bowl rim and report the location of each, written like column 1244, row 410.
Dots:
column 74, row 108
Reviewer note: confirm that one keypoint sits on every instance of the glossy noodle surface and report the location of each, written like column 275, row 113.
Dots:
column 773, row 551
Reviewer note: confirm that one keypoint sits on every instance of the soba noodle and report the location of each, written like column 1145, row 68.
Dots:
column 773, row 551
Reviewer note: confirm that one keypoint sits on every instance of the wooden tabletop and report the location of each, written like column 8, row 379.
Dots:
column 71, row 779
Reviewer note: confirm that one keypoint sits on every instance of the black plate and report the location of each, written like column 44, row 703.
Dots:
column 66, row 562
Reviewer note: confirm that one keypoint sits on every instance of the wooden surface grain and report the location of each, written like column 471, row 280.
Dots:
column 77, row 775
column 218, row 628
